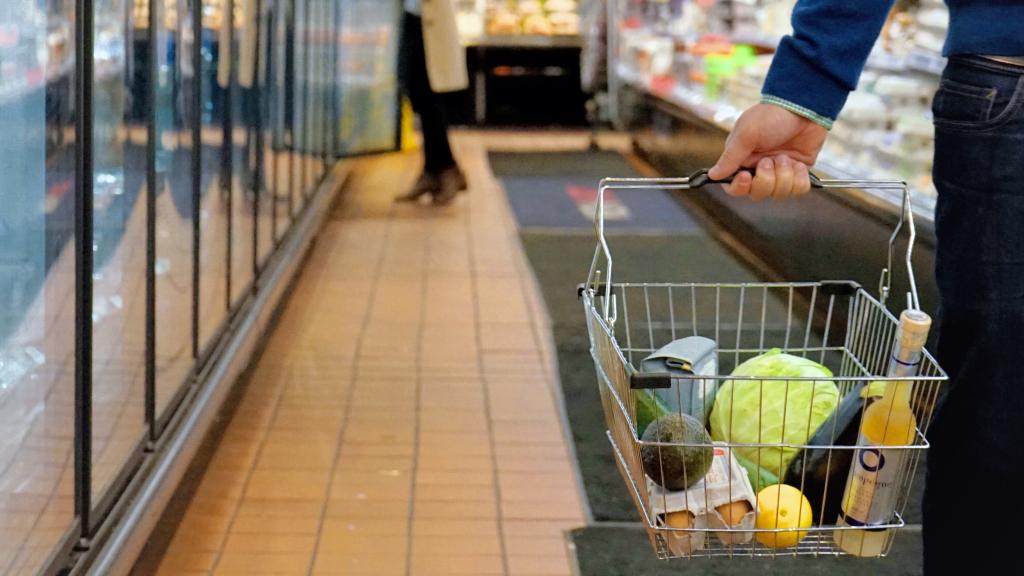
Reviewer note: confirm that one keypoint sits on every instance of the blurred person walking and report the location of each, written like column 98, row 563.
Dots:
column 432, row 61
column 975, row 463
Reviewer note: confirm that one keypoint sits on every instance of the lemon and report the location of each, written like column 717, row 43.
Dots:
column 782, row 506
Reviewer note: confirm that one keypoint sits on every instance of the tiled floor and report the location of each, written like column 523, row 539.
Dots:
column 403, row 419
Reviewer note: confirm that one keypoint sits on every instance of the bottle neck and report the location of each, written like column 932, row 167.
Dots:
column 898, row 392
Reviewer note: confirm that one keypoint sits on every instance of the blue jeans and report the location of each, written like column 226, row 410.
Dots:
column 972, row 506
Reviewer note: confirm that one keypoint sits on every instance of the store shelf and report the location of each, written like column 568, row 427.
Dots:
column 723, row 116
column 523, row 41
column 926, row 62
column 916, row 61
column 768, row 41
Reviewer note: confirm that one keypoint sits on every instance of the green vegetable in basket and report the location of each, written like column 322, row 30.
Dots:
column 759, row 477
column 648, row 409
column 773, row 410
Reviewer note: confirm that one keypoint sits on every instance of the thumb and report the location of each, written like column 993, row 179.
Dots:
column 737, row 149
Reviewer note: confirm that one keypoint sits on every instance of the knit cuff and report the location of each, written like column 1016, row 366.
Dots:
column 798, row 110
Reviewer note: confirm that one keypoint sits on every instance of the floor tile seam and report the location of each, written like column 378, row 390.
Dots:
column 418, row 394
column 499, row 516
column 348, row 405
column 236, row 508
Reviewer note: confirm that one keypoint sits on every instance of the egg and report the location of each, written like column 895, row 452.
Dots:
column 682, row 543
column 682, row 519
column 733, row 513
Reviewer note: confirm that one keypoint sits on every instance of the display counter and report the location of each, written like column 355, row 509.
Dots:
column 524, row 62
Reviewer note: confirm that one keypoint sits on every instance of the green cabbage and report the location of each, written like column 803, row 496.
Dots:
column 745, row 407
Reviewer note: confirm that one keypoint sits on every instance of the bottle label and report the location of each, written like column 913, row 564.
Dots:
column 872, row 488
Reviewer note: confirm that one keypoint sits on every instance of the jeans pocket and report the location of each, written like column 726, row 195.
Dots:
column 960, row 102
column 963, row 106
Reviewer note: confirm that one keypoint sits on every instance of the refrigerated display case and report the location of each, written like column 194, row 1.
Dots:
column 150, row 202
column 37, row 153
column 710, row 59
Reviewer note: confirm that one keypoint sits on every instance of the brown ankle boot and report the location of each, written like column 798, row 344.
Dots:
column 427, row 183
column 452, row 182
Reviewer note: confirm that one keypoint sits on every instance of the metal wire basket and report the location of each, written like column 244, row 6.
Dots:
column 837, row 324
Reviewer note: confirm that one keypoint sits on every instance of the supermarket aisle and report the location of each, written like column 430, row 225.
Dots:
column 403, row 418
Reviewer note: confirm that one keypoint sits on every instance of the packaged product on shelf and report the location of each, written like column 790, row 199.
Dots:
column 564, row 23
column 934, row 16
column 529, row 8
column 904, row 93
column 775, row 18
column 503, row 23
column 537, row 24
column 564, row 6
column 470, row 24
column 910, row 151
column 864, row 122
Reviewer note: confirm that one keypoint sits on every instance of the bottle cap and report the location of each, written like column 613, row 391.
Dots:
column 913, row 329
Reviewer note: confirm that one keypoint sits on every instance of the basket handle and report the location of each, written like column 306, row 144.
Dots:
column 699, row 179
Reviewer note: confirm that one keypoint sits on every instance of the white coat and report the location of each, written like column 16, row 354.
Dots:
column 446, row 58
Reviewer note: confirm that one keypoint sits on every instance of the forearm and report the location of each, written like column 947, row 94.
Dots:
column 817, row 66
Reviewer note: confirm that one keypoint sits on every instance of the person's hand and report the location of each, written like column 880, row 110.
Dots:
column 779, row 143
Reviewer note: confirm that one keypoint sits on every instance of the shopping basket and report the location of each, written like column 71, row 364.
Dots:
column 835, row 324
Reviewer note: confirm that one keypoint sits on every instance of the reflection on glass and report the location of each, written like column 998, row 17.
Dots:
column 215, row 180
column 280, row 115
column 37, row 282
column 319, row 30
column 309, row 73
column 119, row 238
column 267, row 219
column 243, row 122
column 366, row 74
column 295, row 77
column 173, row 114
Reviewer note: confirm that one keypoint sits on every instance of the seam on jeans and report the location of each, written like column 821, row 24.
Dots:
column 983, row 63
column 965, row 89
column 1016, row 99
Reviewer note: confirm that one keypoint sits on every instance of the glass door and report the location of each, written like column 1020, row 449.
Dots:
column 367, row 84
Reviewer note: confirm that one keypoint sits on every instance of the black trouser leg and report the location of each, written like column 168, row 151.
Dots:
column 437, row 150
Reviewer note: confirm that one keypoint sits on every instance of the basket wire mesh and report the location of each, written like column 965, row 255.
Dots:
column 837, row 324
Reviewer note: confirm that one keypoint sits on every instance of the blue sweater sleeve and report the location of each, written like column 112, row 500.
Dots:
column 816, row 68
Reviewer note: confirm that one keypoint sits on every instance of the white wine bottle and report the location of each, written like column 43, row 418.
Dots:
column 872, row 487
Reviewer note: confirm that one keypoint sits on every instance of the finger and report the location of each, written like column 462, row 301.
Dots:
column 737, row 149
column 801, row 179
column 783, row 177
column 764, row 183
column 740, row 184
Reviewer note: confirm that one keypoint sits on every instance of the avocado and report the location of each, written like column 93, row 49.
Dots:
column 676, row 467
